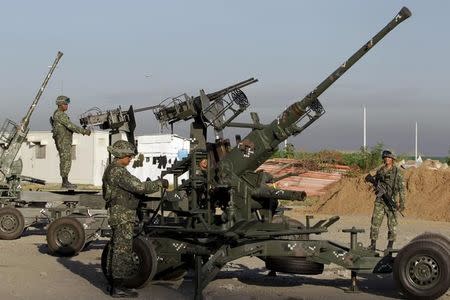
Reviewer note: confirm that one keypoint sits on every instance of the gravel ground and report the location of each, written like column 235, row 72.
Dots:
column 28, row 272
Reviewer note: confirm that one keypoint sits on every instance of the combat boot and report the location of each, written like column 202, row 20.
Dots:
column 117, row 290
column 67, row 185
column 373, row 245
column 390, row 245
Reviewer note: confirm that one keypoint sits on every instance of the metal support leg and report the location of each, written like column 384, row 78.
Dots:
column 353, row 244
column 198, row 278
column 354, row 287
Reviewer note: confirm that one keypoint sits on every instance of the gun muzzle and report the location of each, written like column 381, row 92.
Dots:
column 271, row 193
column 33, row 180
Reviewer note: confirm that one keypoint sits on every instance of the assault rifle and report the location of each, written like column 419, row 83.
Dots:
column 382, row 193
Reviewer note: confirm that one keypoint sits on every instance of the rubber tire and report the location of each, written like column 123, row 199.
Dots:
column 433, row 236
column 293, row 265
column 17, row 215
column 52, row 238
column 403, row 281
column 147, row 267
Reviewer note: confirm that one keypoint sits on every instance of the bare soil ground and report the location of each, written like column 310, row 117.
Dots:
column 28, row 272
column 427, row 195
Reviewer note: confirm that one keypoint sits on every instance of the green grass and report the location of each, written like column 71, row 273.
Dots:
column 359, row 161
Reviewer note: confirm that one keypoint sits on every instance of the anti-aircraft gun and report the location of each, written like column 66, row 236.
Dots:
column 12, row 136
column 225, row 210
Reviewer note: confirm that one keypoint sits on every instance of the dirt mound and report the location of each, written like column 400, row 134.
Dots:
column 427, row 195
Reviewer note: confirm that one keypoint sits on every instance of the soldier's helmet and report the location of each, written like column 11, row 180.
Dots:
column 388, row 153
column 121, row 149
column 62, row 100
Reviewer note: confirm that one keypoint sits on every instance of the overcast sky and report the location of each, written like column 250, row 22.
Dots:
column 140, row 52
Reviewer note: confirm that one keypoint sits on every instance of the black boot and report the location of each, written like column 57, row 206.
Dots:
column 373, row 245
column 390, row 245
column 67, row 185
column 117, row 290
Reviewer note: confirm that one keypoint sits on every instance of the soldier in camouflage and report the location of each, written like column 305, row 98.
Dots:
column 120, row 191
column 63, row 130
column 390, row 178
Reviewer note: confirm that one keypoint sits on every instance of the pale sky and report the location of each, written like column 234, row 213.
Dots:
column 290, row 46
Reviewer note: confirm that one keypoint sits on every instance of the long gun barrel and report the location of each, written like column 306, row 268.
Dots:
column 13, row 135
column 26, row 119
column 260, row 144
column 192, row 107
column 296, row 110
column 219, row 94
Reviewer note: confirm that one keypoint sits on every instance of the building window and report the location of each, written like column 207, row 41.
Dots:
column 40, row 151
column 74, row 152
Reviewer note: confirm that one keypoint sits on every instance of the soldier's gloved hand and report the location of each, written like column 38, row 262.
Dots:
column 139, row 162
column 164, row 183
column 369, row 178
column 87, row 132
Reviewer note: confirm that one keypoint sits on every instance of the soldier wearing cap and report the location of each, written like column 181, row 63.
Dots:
column 390, row 177
column 63, row 130
column 120, row 191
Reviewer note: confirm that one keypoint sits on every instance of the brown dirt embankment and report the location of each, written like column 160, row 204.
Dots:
column 427, row 195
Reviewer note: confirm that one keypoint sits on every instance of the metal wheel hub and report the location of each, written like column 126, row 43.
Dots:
column 136, row 263
column 423, row 271
column 66, row 235
column 8, row 223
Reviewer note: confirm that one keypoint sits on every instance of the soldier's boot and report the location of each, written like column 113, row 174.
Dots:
column 67, row 185
column 117, row 290
column 373, row 245
column 390, row 245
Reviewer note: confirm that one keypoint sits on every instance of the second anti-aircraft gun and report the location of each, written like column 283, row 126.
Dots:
column 12, row 136
column 227, row 210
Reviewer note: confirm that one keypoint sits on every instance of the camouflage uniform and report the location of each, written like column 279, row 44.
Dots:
column 120, row 190
column 387, row 178
column 63, row 130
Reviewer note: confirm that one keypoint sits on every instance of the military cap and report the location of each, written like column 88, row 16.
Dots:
column 62, row 100
column 122, row 149
column 388, row 153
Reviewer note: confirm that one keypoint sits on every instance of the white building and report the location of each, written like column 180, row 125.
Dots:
column 160, row 152
column 90, row 157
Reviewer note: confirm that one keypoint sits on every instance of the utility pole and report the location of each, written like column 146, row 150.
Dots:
column 364, row 129
column 416, row 142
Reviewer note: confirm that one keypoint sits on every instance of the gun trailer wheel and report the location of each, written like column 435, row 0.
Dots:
column 12, row 223
column 65, row 236
column 293, row 265
column 422, row 270
column 145, row 263
column 434, row 237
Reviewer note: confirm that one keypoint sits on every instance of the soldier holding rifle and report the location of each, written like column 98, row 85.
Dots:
column 389, row 187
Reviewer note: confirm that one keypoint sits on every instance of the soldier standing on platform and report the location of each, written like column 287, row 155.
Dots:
column 63, row 130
